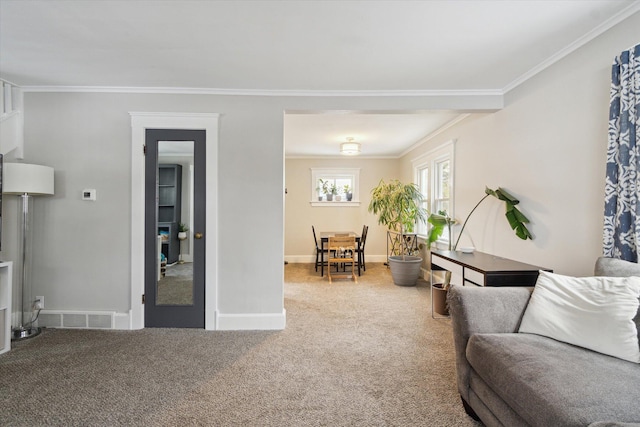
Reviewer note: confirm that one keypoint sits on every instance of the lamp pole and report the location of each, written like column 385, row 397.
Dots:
column 25, row 329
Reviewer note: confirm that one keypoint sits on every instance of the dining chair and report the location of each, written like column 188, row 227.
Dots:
column 360, row 251
column 319, row 249
column 341, row 251
column 360, row 248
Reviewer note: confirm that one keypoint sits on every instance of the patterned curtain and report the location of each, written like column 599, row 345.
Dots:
column 622, row 188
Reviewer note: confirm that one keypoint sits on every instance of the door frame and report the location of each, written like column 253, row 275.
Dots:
column 140, row 121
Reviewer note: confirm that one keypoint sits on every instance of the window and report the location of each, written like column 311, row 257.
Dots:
column 434, row 176
column 335, row 187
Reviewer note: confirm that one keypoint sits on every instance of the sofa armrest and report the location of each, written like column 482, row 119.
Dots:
column 482, row 310
column 613, row 267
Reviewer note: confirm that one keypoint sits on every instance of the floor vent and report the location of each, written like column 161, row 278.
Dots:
column 74, row 320
column 82, row 320
column 101, row 321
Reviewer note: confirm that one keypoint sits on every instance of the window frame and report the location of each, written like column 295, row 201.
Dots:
column 336, row 173
column 429, row 161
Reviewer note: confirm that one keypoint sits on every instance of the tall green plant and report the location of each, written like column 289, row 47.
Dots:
column 517, row 219
column 398, row 206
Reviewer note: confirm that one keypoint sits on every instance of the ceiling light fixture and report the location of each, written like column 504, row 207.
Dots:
column 350, row 148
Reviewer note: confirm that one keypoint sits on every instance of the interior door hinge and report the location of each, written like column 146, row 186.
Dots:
column 143, row 298
column 144, row 150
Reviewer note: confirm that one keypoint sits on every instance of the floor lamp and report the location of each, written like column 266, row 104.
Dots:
column 26, row 181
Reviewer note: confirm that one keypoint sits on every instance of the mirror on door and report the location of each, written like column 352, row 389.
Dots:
column 175, row 217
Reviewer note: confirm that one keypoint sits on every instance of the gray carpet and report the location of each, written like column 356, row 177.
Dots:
column 365, row 354
column 176, row 287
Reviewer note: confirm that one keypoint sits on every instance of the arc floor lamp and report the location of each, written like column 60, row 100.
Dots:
column 26, row 181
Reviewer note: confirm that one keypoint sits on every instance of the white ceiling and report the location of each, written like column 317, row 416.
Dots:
column 380, row 134
column 299, row 47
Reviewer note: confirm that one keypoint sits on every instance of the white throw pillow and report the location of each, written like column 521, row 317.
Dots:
column 591, row 312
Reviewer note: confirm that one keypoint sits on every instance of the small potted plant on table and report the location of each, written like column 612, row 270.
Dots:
column 182, row 235
column 182, row 231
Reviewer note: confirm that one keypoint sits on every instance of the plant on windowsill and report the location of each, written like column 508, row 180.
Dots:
column 347, row 192
column 334, row 192
column 399, row 208
column 517, row 220
column 324, row 185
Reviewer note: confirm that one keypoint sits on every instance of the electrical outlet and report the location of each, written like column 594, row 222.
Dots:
column 39, row 302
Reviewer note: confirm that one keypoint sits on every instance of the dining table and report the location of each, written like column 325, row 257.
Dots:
column 324, row 242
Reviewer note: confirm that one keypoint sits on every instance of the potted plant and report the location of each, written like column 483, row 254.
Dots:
column 319, row 191
column 399, row 208
column 517, row 220
column 347, row 192
column 334, row 192
column 439, row 290
column 182, row 231
column 324, row 185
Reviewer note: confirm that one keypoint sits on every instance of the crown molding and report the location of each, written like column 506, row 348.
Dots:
column 179, row 115
column 262, row 92
column 433, row 134
column 8, row 82
column 581, row 41
column 333, row 157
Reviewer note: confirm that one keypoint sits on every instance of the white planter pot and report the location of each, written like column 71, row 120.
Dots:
column 182, row 235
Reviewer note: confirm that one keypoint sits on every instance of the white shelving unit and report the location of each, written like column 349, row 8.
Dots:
column 6, row 282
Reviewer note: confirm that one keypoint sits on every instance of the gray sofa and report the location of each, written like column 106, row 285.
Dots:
column 511, row 379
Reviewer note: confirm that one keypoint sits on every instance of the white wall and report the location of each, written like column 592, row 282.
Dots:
column 548, row 148
column 82, row 255
column 300, row 215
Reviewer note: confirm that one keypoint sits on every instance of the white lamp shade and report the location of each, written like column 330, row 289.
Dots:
column 350, row 148
column 21, row 178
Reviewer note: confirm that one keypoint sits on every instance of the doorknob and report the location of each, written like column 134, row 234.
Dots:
column 198, row 235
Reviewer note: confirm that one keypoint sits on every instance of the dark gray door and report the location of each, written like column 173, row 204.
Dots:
column 174, row 290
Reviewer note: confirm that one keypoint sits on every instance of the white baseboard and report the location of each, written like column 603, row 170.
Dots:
column 251, row 321
column 72, row 319
column 300, row 259
column 310, row 259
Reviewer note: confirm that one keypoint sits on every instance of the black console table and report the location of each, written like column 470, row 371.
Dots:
column 482, row 269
